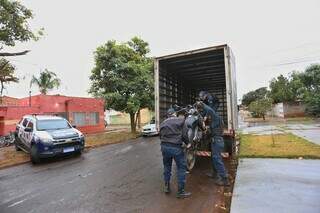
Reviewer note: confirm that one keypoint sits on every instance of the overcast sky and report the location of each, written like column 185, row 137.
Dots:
column 268, row 37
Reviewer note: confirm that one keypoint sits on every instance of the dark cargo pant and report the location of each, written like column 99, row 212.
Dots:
column 170, row 152
column 217, row 146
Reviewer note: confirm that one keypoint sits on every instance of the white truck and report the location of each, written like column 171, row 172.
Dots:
column 180, row 77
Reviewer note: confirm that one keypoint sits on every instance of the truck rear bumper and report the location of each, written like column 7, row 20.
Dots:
column 208, row 154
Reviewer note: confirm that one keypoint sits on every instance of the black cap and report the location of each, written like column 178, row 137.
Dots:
column 171, row 112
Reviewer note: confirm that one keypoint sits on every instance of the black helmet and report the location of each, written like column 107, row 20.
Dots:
column 203, row 95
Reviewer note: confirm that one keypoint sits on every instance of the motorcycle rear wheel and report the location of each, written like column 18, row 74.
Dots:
column 190, row 158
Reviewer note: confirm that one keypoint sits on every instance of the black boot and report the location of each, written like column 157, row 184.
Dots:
column 183, row 194
column 222, row 181
column 212, row 175
column 167, row 188
column 226, row 181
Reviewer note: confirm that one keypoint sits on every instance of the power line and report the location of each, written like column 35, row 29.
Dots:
column 297, row 62
column 296, row 47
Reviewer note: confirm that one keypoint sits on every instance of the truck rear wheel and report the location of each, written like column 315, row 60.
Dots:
column 229, row 145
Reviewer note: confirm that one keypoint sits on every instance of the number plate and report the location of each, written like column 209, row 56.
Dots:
column 68, row 149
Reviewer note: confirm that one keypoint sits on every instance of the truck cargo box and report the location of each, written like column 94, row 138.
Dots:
column 180, row 77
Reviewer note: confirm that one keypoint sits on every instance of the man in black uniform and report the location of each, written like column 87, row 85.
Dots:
column 217, row 143
column 171, row 148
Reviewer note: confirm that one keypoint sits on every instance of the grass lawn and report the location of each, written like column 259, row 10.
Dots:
column 100, row 139
column 10, row 157
column 278, row 146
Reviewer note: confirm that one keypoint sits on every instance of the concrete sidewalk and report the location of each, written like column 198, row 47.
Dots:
column 277, row 185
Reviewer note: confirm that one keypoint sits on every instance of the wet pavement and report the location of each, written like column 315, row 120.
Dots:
column 124, row 177
column 309, row 132
column 277, row 185
column 262, row 130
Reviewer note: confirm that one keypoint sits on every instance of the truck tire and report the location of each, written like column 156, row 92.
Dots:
column 229, row 145
column 34, row 156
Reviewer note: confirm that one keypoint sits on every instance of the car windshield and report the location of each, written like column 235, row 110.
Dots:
column 52, row 124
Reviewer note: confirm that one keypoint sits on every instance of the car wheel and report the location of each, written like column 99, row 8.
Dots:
column 16, row 144
column 17, row 147
column 34, row 155
column 78, row 152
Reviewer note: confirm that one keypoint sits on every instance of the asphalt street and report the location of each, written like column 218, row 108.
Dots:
column 125, row 177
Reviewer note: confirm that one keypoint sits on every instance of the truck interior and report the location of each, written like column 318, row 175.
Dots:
column 183, row 76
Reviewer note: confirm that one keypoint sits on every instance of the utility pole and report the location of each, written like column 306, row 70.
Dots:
column 29, row 98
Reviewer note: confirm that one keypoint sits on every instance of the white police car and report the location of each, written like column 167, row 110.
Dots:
column 46, row 136
column 150, row 129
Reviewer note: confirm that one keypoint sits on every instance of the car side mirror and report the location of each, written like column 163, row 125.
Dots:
column 28, row 129
column 74, row 126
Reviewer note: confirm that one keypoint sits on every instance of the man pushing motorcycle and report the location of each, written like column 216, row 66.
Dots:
column 172, row 142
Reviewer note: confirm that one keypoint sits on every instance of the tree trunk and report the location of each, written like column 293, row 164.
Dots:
column 136, row 119
column 139, row 119
column 2, row 87
column 263, row 116
column 132, row 122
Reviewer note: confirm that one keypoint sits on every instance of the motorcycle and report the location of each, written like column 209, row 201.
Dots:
column 7, row 140
column 194, row 132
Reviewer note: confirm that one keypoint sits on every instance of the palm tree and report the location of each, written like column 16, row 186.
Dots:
column 46, row 81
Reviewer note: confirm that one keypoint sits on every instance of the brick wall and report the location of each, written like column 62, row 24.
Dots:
column 53, row 104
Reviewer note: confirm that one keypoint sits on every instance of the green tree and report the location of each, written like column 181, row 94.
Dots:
column 254, row 95
column 296, row 85
column 123, row 75
column 14, row 26
column 6, row 74
column 311, row 78
column 311, row 93
column 260, row 107
column 46, row 81
column 282, row 89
